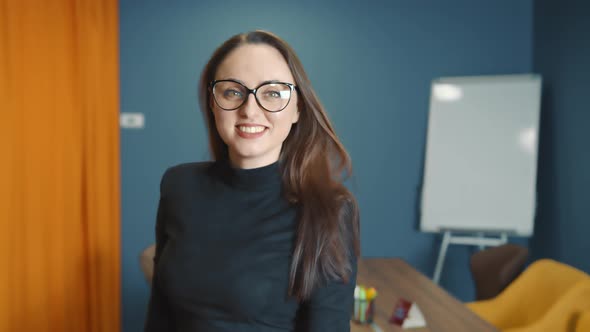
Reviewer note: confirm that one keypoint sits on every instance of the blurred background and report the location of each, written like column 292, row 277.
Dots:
column 79, row 194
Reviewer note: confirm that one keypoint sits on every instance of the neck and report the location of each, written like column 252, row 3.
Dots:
column 250, row 163
column 252, row 179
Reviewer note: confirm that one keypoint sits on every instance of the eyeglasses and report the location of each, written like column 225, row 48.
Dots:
column 272, row 96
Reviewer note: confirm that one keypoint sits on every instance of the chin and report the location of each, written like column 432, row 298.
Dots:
column 248, row 153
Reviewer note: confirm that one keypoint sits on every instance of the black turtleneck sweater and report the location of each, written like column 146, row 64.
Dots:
column 224, row 242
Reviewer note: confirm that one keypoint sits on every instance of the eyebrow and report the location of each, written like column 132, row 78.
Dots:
column 261, row 83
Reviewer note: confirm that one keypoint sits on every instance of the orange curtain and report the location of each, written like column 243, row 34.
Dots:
column 59, row 167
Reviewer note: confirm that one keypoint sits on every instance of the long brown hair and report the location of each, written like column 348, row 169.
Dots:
column 314, row 165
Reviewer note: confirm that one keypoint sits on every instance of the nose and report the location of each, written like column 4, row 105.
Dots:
column 250, row 107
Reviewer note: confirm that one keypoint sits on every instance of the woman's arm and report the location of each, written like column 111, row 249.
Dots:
column 158, row 315
column 330, row 306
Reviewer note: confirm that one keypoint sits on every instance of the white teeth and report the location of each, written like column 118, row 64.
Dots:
column 251, row 130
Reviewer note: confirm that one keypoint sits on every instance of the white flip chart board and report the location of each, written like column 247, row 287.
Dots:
column 481, row 155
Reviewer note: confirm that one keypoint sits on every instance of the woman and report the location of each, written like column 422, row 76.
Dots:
column 266, row 237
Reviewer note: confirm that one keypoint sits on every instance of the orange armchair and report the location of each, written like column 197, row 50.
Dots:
column 564, row 315
column 583, row 322
column 545, row 297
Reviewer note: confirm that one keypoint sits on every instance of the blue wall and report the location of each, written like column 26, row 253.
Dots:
column 371, row 63
column 562, row 56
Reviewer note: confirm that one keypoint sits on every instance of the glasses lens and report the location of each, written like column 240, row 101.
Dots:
column 229, row 95
column 273, row 96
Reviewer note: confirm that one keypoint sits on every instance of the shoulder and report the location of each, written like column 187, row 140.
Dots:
column 178, row 175
column 187, row 169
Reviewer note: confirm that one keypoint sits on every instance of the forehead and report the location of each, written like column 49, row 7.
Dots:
column 254, row 64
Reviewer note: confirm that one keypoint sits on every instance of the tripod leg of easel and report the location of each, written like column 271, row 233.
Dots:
column 441, row 256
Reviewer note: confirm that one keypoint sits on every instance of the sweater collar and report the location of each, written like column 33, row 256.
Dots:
column 253, row 179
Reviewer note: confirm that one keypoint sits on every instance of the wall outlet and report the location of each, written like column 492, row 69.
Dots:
column 132, row 120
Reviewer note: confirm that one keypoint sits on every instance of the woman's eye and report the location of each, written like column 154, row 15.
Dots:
column 232, row 94
column 273, row 94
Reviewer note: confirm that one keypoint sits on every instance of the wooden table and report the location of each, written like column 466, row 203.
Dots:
column 394, row 278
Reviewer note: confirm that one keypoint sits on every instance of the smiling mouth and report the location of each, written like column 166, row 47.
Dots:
column 251, row 129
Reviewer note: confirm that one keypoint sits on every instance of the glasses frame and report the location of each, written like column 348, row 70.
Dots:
column 291, row 86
